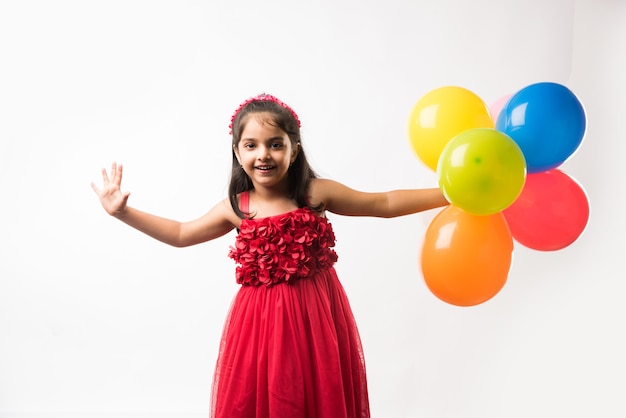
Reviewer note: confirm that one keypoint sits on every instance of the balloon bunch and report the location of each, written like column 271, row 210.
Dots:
column 501, row 179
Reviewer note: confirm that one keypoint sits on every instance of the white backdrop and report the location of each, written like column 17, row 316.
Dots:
column 97, row 320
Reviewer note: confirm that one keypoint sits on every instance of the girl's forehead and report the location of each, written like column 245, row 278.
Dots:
column 260, row 126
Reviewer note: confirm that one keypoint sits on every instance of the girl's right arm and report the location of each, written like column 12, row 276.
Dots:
column 218, row 221
column 340, row 199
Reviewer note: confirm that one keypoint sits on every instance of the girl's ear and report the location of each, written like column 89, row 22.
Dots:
column 236, row 154
column 294, row 152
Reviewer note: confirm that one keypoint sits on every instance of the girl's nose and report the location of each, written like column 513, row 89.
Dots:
column 264, row 153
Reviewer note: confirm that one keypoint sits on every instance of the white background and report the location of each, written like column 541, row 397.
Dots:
column 97, row 320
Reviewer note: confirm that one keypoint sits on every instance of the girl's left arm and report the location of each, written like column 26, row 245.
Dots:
column 340, row 199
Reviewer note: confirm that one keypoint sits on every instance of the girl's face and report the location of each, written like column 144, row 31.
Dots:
column 265, row 152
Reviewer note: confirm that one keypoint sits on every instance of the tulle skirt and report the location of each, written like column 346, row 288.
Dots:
column 291, row 350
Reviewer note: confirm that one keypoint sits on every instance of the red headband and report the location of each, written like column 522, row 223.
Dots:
column 259, row 98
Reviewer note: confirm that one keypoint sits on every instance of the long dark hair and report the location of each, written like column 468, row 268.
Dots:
column 300, row 173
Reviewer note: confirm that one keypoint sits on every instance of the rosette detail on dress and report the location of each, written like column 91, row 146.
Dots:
column 283, row 248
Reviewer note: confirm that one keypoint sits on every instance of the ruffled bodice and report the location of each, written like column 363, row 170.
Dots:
column 283, row 248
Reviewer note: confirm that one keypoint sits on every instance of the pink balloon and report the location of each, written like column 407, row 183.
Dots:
column 496, row 107
column 551, row 212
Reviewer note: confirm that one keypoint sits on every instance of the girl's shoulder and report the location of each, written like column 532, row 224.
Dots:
column 315, row 191
column 343, row 200
column 321, row 191
column 224, row 210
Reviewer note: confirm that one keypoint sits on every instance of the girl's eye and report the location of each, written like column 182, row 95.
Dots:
column 248, row 145
column 277, row 145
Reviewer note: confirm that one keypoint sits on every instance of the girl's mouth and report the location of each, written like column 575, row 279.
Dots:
column 264, row 167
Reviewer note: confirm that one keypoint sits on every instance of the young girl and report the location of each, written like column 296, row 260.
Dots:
column 290, row 347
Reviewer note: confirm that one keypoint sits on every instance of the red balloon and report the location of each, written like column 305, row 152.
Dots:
column 466, row 258
column 551, row 212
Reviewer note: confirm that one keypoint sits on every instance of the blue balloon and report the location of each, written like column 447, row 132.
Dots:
column 548, row 123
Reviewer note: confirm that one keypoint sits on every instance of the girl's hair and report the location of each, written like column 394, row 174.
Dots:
column 282, row 116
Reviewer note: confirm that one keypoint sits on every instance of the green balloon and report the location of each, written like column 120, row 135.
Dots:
column 481, row 171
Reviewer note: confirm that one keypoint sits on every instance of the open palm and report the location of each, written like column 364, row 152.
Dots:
column 111, row 197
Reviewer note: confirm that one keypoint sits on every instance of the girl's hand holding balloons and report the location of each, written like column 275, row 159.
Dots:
column 111, row 197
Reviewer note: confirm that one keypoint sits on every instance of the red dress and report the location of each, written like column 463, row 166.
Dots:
column 290, row 347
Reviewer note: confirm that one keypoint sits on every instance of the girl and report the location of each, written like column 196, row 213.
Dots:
column 290, row 347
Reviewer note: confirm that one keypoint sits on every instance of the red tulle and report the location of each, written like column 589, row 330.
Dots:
column 290, row 346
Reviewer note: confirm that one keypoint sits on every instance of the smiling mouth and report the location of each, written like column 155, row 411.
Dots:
column 264, row 167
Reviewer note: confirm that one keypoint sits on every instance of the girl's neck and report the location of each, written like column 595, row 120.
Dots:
column 267, row 203
column 269, row 196
column 271, row 193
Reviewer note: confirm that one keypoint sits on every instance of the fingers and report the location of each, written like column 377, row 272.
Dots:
column 105, row 176
column 118, row 175
column 115, row 175
column 114, row 172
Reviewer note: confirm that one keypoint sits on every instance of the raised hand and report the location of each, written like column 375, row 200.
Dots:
column 111, row 197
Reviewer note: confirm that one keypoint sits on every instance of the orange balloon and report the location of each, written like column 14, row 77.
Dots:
column 466, row 258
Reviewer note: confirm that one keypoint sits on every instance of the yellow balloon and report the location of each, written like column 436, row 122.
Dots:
column 482, row 171
column 442, row 114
